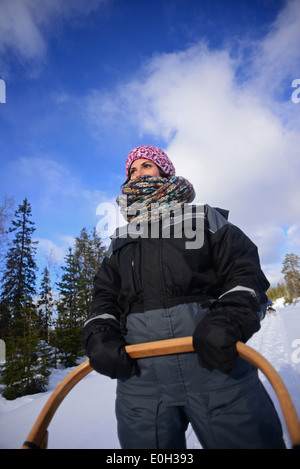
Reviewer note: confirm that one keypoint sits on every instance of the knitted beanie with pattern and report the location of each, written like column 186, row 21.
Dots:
column 154, row 154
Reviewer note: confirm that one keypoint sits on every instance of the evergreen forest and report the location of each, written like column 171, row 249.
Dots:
column 41, row 324
column 41, row 321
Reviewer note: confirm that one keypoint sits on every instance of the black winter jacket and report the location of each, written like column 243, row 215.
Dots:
column 194, row 256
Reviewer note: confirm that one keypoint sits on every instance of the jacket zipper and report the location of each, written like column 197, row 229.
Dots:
column 162, row 274
column 136, row 283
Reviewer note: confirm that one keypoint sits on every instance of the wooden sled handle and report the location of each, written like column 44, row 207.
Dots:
column 38, row 436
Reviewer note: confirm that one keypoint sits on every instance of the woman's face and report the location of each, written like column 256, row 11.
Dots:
column 143, row 167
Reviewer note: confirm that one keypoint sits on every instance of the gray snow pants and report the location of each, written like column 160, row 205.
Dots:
column 226, row 411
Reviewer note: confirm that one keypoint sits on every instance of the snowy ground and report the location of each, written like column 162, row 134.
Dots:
column 85, row 419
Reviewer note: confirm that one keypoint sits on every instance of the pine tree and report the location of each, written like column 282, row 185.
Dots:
column 76, row 290
column 280, row 291
column 18, row 283
column 45, row 306
column 19, row 319
column 68, row 324
column 89, row 254
column 291, row 271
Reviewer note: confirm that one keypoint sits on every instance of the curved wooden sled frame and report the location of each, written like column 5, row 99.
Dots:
column 38, row 436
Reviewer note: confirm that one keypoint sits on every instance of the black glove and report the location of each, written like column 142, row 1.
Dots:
column 105, row 347
column 216, row 335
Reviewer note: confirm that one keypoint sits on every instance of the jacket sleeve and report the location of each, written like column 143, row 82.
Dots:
column 102, row 335
column 236, row 314
column 237, row 264
column 106, row 290
column 104, row 310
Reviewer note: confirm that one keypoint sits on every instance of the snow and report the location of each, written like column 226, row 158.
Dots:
column 86, row 420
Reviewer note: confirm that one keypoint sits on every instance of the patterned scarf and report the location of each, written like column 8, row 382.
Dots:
column 150, row 198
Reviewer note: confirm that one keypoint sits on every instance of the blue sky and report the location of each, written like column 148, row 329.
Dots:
column 209, row 81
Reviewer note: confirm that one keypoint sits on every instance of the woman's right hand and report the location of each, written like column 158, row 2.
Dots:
column 105, row 347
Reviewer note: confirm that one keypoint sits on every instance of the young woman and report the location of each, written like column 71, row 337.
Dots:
column 179, row 270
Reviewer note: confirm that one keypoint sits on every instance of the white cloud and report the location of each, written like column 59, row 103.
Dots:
column 293, row 237
column 52, row 181
column 235, row 141
column 59, row 199
column 277, row 56
column 52, row 254
column 273, row 272
column 55, row 184
column 25, row 25
column 19, row 30
column 270, row 237
column 56, row 252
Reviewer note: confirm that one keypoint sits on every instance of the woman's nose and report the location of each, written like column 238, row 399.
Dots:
column 137, row 173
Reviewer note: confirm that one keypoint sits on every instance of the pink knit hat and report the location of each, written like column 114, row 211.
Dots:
column 156, row 155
